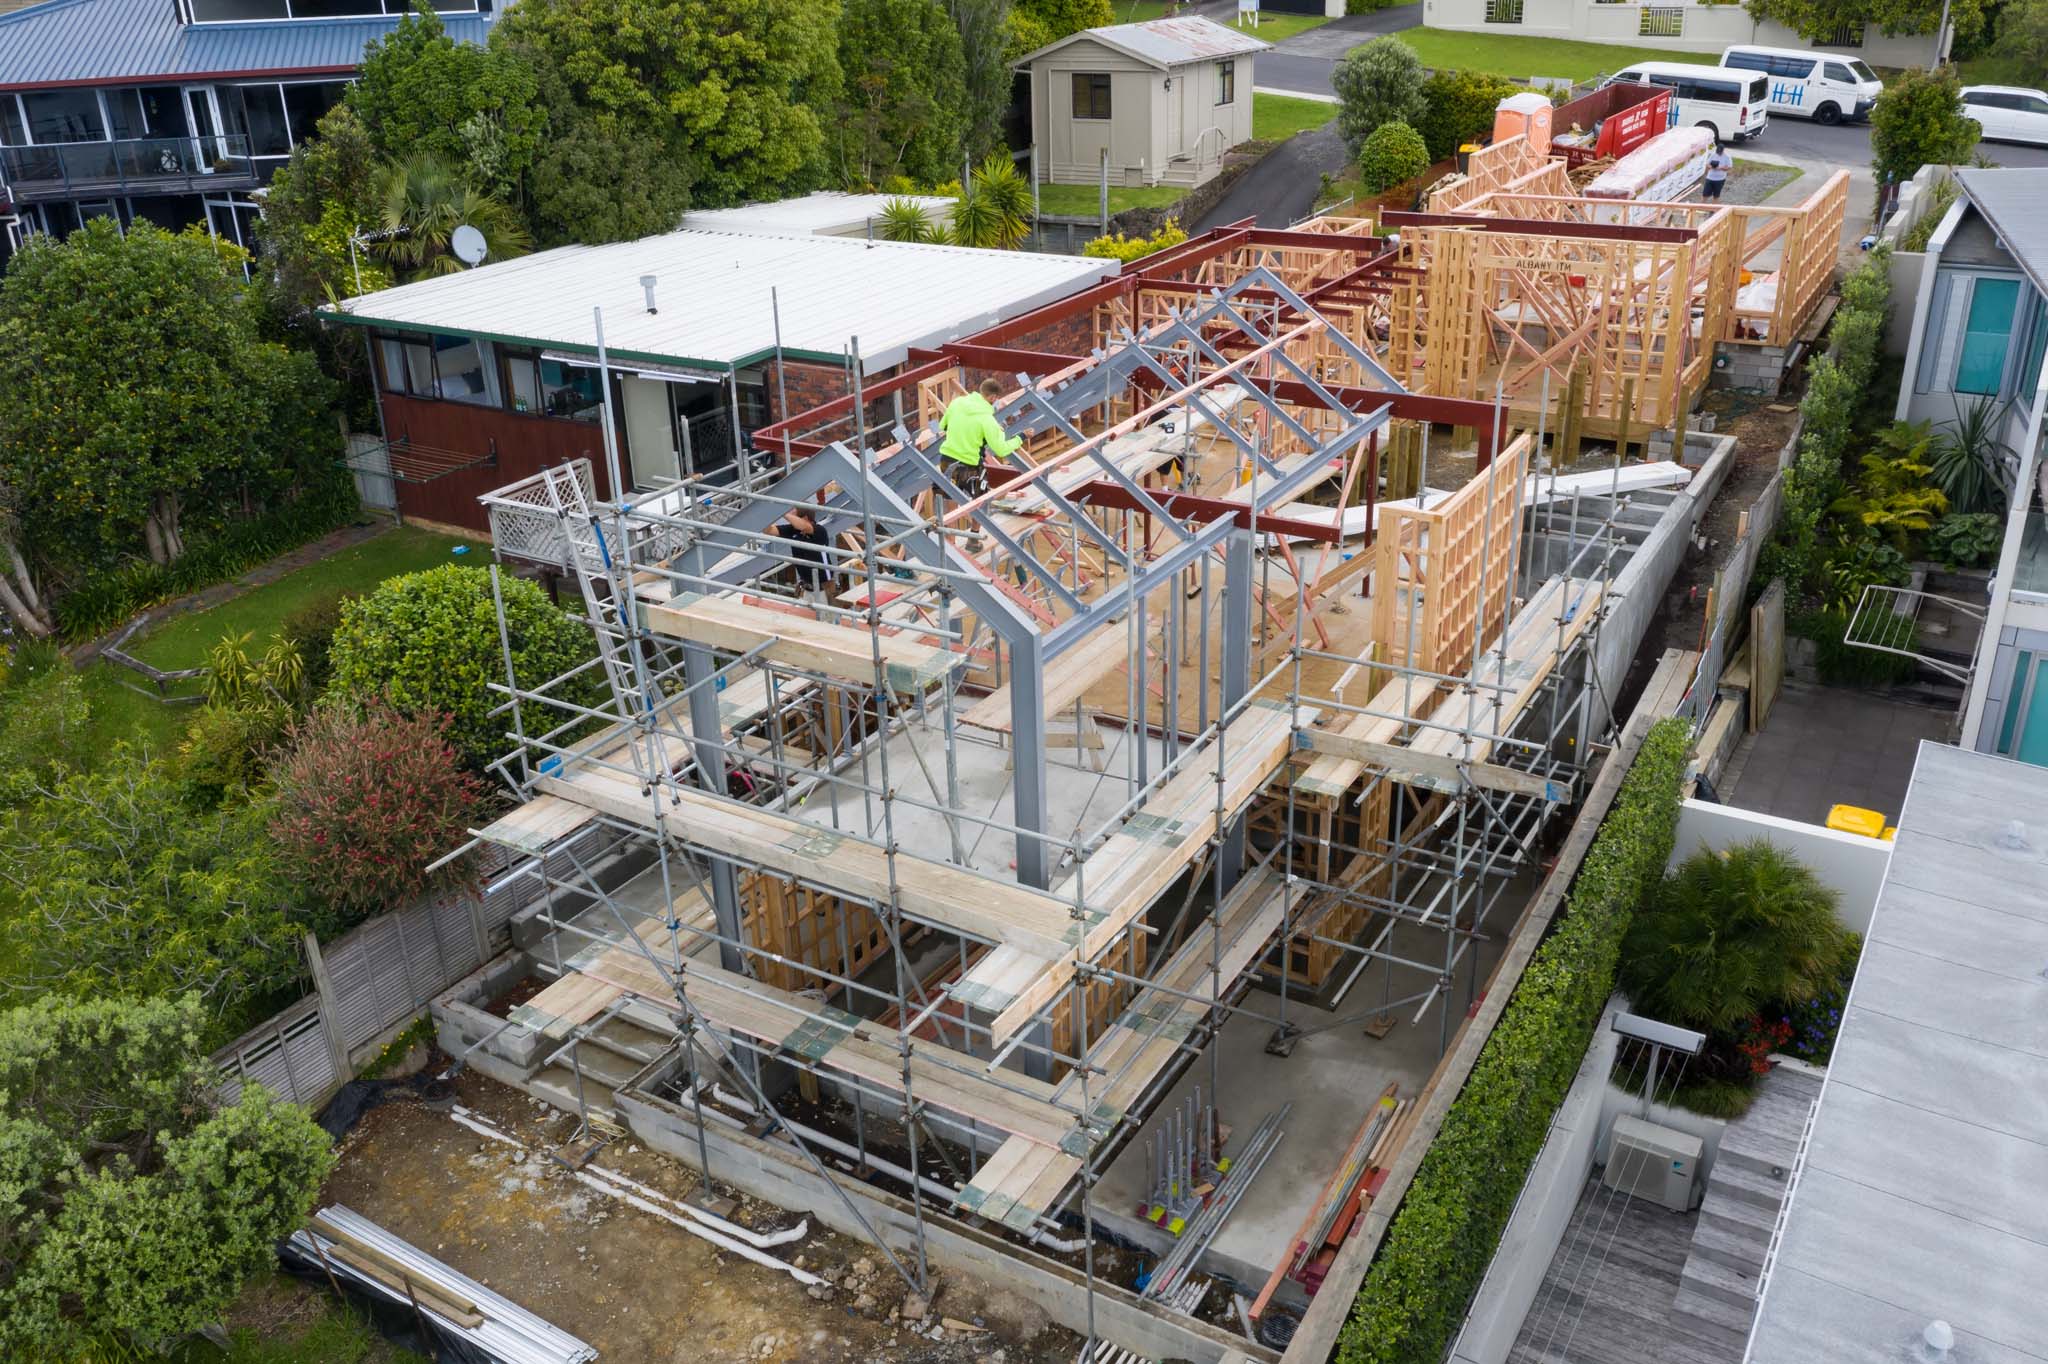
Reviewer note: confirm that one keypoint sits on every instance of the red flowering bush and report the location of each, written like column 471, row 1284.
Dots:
column 1757, row 1038
column 366, row 799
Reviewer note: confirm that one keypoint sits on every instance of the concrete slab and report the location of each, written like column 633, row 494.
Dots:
column 1332, row 1079
column 1825, row 746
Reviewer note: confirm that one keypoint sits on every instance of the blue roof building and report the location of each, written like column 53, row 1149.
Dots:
column 173, row 111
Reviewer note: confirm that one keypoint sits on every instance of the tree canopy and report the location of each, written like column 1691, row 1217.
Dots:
column 1821, row 20
column 421, row 93
column 428, row 642
column 113, row 880
column 1919, row 121
column 130, row 1204
column 1377, row 82
column 139, row 391
column 729, row 88
column 901, row 108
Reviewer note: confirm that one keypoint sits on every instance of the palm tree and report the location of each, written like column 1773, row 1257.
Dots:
column 996, row 209
column 425, row 200
column 904, row 220
column 1729, row 933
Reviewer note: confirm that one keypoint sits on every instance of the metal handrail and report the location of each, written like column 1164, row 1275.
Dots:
column 123, row 164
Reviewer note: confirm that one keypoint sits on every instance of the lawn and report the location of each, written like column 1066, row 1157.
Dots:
column 1998, row 68
column 1082, row 201
column 183, row 641
column 1521, row 58
column 1275, row 118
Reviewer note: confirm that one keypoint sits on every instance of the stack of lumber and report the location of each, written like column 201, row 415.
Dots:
column 1021, row 1181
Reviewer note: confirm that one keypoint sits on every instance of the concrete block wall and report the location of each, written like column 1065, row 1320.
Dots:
column 1752, row 369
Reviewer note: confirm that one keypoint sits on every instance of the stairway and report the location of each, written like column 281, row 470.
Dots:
column 1745, row 1191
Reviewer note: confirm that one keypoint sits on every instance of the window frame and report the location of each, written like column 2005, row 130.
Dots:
column 2002, row 332
column 1105, row 88
column 1226, row 82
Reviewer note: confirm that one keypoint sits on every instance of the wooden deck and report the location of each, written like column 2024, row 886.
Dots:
column 1607, row 1298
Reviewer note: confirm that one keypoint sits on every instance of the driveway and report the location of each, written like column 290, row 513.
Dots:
column 1302, row 64
column 1281, row 189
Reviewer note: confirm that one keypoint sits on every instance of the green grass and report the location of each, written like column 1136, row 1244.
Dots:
column 298, row 1325
column 1998, row 68
column 1081, row 201
column 1505, row 55
column 1275, row 118
column 183, row 641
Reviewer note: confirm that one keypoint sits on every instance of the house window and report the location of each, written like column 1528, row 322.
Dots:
column 1986, row 336
column 1226, row 82
column 550, row 388
column 305, row 105
column 1091, row 94
column 1660, row 21
column 1503, row 11
column 65, row 116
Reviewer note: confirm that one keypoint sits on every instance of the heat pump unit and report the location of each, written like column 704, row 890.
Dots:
column 1647, row 1161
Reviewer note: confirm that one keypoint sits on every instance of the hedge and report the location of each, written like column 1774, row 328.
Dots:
column 107, row 600
column 1451, row 1219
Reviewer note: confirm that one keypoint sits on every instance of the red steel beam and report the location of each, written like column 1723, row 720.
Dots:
column 1006, row 360
column 772, row 438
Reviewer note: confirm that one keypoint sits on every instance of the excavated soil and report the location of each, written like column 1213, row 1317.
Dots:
column 634, row 1286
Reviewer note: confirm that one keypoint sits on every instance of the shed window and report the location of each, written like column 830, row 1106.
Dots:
column 1226, row 82
column 1091, row 94
column 1986, row 336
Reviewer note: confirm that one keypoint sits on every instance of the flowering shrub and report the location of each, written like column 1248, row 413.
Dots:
column 1756, row 1039
column 1814, row 1022
column 366, row 799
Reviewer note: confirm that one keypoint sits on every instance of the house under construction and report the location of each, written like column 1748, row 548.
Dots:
column 1113, row 856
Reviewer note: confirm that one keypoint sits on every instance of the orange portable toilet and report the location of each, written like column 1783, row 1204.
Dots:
column 1528, row 114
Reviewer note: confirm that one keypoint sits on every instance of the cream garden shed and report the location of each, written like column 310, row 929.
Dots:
column 1163, row 99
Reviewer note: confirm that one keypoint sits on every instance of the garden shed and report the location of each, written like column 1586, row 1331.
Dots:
column 1158, row 102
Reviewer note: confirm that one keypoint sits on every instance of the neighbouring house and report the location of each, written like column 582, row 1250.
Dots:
column 1159, row 103
column 827, row 213
column 490, row 375
column 1978, row 333
column 1692, row 27
column 173, row 111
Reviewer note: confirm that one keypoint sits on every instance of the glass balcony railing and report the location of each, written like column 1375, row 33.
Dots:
column 153, row 165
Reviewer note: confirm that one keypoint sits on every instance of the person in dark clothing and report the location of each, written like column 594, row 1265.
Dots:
column 808, row 538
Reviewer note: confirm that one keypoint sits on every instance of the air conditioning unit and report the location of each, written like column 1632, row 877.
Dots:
column 1658, row 1163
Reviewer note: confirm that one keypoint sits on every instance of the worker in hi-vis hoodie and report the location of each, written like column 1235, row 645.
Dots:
column 971, row 428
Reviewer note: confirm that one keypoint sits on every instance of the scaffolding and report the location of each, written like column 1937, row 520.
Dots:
column 1151, row 639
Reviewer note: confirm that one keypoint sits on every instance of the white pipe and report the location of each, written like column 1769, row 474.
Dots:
column 619, row 1187
column 737, row 1247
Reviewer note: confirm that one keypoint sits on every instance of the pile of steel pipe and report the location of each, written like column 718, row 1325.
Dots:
column 1171, row 1274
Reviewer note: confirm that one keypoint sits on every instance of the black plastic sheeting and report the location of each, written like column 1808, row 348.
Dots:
column 421, row 1332
column 358, row 1097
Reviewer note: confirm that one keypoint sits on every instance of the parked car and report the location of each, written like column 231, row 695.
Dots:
column 2008, row 113
column 1823, row 86
column 1734, row 105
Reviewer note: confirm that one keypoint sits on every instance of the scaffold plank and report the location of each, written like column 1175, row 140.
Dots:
column 800, row 641
column 537, row 825
column 837, row 1040
column 934, row 892
column 1141, row 860
column 1022, row 1180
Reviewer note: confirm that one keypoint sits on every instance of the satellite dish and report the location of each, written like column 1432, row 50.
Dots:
column 468, row 245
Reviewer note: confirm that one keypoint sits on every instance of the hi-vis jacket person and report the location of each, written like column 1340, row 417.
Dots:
column 971, row 427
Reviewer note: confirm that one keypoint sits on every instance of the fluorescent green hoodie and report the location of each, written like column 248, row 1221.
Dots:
column 970, row 423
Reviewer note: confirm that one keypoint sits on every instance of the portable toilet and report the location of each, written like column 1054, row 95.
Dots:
column 1527, row 114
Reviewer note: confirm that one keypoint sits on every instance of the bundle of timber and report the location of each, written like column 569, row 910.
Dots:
column 1661, row 170
column 469, row 1321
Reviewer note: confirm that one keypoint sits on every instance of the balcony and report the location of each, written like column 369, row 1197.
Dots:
column 147, row 165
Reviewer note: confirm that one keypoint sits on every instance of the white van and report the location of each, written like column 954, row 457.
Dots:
column 1825, row 87
column 1733, row 105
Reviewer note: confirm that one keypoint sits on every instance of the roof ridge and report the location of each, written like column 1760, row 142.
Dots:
column 39, row 7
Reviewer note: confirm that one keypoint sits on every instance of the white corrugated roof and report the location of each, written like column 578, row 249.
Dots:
column 825, row 213
column 712, row 292
column 1164, row 42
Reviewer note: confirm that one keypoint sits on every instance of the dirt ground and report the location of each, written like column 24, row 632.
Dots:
column 639, row 1288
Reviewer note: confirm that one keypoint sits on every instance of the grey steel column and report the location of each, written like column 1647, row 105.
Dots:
column 707, row 731
column 1237, row 672
column 1027, row 748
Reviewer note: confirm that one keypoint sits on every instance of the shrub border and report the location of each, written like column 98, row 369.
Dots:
column 1451, row 1219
